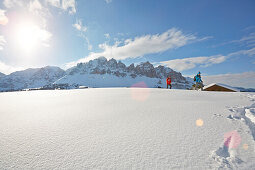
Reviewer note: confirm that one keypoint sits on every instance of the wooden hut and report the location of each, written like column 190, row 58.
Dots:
column 220, row 87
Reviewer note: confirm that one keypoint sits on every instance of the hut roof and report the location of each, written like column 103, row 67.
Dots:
column 224, row 87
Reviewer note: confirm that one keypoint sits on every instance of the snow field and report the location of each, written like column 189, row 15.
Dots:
column 126, row 128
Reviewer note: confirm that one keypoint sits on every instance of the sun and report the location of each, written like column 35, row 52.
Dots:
column 29, row 36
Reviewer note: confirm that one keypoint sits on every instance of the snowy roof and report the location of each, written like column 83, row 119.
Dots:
column 222, row 85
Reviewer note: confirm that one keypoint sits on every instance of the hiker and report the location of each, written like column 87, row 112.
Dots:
column 168, row 82
column 198, row 81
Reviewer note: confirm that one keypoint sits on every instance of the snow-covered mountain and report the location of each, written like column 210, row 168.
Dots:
column 111, row 73
column 30, row 78
column 95, row 73
column 2, row 74
column 245, row 89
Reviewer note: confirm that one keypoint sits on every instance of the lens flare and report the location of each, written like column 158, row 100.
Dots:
column 245, row 146
column 232, row 139
column 140, row 91
column 199, row 122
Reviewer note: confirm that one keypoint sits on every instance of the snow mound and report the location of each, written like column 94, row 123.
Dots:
column 250, row 113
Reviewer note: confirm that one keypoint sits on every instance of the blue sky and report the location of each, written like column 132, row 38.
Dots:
column 214, row 37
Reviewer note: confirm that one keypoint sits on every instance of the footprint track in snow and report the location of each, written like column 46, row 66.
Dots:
column 250, row 119
column 246, row 114
column 251, row 97
column 225, row 155
column 217, row 115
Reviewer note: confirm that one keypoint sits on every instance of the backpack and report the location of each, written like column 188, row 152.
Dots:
column 194, row 78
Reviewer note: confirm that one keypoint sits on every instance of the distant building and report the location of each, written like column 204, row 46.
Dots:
column 83, row 87
column 220, row 87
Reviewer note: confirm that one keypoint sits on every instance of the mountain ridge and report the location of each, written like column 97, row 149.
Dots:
column 113, row 73
column 99, row 72
column 30, row 78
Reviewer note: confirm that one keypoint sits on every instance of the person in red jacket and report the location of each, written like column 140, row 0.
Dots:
column 168, row 82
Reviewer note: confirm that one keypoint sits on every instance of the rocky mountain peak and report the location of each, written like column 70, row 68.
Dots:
column 146, row 69
column 103, row 66
column 112, row 63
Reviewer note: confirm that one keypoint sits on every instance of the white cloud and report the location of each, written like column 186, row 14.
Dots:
column 35, row 8
column 12, row 3
column 55, row 3
column 87, row 41
column 250, row 52
column 121, row 34
column 35, row 5
column 2, row 42
column 7, row 69
column 246, row 79
column 3, row 18
column 189, row 63
column 43, row 35
column 69, row 5
column 89, row 45
column 108, row 1
column 140, row 46
column 246, row 41
column 66, row 5
column 205, row 38
column 204, row 61
column 78, row 25
column 249, row 28
column 107, row 35
column 40, row 11
column 249, row 40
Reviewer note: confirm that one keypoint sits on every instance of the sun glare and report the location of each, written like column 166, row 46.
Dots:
column 28, row 36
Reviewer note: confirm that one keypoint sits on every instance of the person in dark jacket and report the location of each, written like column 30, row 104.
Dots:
column 168, row 82
column 199, row 81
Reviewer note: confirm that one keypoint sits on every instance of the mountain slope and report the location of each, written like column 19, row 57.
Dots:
column 2, row 74
column 110, row 73
column 30, row 78
column 246, row 89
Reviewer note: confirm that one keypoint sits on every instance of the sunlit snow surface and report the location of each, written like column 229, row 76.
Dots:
column 112, row 128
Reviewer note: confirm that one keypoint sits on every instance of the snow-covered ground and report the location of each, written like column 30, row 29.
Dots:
column 127, row 128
